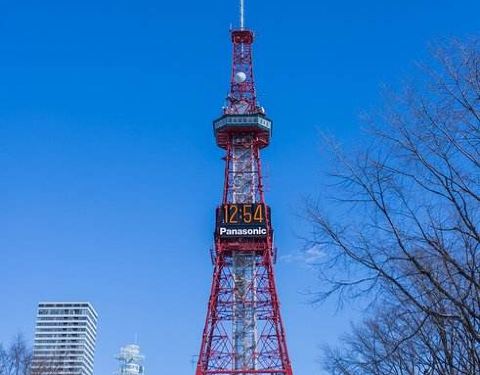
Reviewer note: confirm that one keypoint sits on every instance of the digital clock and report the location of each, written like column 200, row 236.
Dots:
column 242, row 220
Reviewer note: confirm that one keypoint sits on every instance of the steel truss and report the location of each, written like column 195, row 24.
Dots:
column 243, row 332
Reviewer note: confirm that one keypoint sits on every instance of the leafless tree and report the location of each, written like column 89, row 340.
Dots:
column 406, row 229
column 16, row 359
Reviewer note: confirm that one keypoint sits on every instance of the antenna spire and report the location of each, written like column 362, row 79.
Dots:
column 242, row 14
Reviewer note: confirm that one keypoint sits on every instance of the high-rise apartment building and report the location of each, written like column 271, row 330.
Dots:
column 65, row 337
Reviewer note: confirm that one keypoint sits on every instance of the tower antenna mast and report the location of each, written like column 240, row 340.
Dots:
column 242, row 14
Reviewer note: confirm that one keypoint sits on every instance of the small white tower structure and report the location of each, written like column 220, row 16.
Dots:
column 130, row 360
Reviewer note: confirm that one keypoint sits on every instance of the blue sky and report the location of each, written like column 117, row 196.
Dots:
column 109, row 174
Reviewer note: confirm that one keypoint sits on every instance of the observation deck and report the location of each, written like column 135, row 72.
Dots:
column 234, row 124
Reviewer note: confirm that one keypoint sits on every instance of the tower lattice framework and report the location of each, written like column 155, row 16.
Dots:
column 244, row 332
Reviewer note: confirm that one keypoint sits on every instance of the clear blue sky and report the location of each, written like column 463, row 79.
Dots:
column 109, row 174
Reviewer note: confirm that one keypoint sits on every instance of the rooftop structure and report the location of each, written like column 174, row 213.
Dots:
column 130, row 360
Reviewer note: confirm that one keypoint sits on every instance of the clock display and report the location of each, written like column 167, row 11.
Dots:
column 242, row 220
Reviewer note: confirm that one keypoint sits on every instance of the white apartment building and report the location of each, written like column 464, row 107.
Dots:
column 65, row 335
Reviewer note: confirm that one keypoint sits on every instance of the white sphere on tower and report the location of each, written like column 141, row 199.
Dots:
column 240, row 77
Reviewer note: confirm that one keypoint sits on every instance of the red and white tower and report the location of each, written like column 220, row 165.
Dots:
column 243, row 332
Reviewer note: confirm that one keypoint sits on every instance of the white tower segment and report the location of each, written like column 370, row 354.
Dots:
column 130, row 360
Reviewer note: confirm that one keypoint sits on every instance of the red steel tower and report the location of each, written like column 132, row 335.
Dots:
column 243, row 332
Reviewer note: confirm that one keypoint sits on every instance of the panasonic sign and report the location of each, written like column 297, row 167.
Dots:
column 242, row 232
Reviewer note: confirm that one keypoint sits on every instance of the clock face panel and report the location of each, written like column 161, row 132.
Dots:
column 236, row 220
